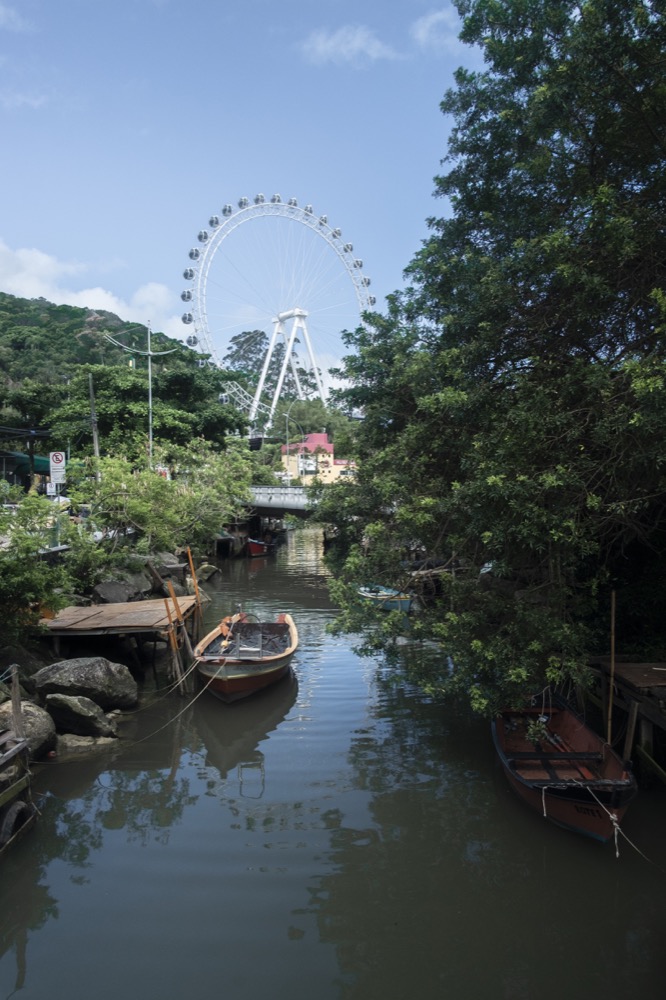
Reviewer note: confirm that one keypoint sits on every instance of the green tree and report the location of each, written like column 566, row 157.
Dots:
column 29, row 585
column 514, row 395
column 140, row 509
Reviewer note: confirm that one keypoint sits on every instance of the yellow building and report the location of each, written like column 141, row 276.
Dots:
column 312, row 457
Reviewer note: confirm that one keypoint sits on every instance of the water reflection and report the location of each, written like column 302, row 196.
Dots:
column 231, row 736
column 352, row 832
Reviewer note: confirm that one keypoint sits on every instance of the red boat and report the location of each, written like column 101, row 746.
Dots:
column 563, row 769
column 243, row 655
column 256, row 547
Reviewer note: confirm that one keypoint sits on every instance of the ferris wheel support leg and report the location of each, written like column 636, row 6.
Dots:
column 289, row 347
column 315, row 369
column 277, row 329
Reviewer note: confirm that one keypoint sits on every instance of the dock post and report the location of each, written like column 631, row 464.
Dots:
column 631, row 729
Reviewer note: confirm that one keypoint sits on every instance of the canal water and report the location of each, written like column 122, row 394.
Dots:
column 341, row 837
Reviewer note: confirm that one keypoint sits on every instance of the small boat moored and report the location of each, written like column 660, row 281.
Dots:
column 259, row 547
column 563, row 769
column 243, row 655
column 386, row 598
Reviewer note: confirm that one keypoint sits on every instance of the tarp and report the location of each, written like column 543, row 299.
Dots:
column 22, row 463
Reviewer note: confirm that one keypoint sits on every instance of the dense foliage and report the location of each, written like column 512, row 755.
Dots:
column 515, row 395
column 52, row 356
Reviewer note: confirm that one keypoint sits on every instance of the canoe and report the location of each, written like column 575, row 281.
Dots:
column 243, row 655
column 563, row 769
column 386, row 597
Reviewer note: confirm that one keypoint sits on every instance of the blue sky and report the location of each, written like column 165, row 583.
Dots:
column 126, row 123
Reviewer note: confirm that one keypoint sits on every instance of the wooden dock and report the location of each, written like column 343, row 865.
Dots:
column 175, row 620
column 639, row 689
column 131, row 618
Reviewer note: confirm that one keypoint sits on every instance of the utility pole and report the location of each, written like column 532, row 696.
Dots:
column 150, row 354
column 93, row 421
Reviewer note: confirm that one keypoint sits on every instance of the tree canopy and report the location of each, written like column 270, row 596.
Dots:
column 515, row 394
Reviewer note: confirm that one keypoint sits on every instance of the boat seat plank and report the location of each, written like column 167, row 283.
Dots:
column 555, row 755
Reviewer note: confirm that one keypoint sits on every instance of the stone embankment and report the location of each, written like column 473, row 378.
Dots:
column 75, row 704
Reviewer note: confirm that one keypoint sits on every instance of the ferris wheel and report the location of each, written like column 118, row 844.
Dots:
column 288, row 271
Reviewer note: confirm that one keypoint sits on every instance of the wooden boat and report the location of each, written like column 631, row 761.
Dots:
column 242, row 655
column 563, row 769
column 258, row 547
column 386, row 598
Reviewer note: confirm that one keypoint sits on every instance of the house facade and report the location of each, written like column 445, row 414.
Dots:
column 314, row 457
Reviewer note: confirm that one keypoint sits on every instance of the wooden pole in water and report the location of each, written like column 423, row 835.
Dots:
column 180, row 620
column 175, row 652
column 198, row 614
column 609, row 721
column 17, row 718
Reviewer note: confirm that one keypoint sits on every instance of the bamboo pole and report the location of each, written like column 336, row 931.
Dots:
column 181, row 620
column 609, row 721
column 198, row 614
column 175, row 652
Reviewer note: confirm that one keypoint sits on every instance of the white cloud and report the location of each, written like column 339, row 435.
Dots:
column 11, row 20
column 438, row 30
column 32, row 274
column 11, row 100
column 351, row 44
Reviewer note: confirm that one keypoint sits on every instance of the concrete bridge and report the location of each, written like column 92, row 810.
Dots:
column 276, row 501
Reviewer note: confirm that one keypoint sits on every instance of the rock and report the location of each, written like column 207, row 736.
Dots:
column 141, row 582
column 78, row 715
column 69, row 743
column 115, row 592
column 39, row 727
column 165, row 559
column 206, row 570
column 109, row 685
column 6, row 689
column 30, row 659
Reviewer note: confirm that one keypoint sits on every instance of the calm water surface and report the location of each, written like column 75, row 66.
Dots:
column 339, row 837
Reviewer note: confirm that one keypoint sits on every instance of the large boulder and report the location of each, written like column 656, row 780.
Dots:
column 78, row 715
column 109, row 685
column 68, row 744
column 116, row 592
column 38, row 726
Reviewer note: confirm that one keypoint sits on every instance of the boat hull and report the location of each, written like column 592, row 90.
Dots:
column 386, row 598
column 239, row 658
column 255, row 548
column 571, row 776
column 231, row 684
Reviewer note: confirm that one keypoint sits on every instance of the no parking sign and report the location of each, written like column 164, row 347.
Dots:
column 58, row 464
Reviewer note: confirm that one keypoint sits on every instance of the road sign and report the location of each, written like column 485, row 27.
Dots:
column 58, row 466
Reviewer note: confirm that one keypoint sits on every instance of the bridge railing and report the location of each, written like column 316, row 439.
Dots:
column 282, row 497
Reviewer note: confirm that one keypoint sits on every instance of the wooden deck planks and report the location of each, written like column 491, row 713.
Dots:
column 640, row 676
column 135, row 616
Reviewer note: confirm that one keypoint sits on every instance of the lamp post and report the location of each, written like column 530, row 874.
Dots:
column 150, row 354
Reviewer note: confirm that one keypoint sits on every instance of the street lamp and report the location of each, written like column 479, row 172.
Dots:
column 150, row 355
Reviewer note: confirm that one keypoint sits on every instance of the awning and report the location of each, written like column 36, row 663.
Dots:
column 21, row 463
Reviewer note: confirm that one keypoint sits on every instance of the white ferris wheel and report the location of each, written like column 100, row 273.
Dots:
column 289, row 274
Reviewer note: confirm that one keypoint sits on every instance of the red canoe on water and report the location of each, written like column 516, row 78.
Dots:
column 243, row 655
column 563, row 769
